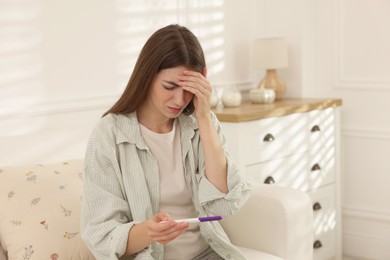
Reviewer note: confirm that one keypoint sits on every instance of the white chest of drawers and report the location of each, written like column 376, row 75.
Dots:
column 293, row 143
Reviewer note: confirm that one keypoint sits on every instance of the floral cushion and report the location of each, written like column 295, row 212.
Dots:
column 40, row 212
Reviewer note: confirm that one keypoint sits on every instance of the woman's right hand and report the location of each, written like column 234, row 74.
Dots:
column 162, row 229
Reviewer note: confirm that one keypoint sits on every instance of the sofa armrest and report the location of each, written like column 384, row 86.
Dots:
column 275, row 220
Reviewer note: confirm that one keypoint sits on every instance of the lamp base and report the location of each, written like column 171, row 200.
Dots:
column 273, row 81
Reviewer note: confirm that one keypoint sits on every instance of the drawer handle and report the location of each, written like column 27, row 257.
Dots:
column 315, row 128
column 317, row 244
column 268, row 138
column 317, row 206
column 269, row 180
column 316, row 167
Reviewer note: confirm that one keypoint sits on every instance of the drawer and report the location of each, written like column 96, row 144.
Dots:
column 313, row 130
column 324, row 214
column 278, row 137
column 324, row 246
column 265, row 139
column 324, row 209
column 321, row 126
column 301, row 171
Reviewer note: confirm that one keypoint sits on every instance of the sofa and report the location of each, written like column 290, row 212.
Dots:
column 40, row 214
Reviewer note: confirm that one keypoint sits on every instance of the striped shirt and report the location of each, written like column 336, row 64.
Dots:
column 121, row 187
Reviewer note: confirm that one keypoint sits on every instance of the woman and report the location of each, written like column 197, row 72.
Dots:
column 150, row 161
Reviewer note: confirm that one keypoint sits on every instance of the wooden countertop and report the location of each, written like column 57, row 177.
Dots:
column 248, row 111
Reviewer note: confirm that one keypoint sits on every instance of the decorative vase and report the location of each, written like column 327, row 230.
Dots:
column 262, row 95
column 231, row 97
column 273, row 81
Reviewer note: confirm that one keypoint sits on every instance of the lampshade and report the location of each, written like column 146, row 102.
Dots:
column 271, row 53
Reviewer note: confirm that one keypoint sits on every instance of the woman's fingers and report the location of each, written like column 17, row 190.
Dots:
column 162, row 229
column 171, row 233
column 196, row 83
column 195, row 80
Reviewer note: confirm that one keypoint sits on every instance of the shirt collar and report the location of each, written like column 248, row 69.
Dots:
column 129, row 129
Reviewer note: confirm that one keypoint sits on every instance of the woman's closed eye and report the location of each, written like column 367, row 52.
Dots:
column 169, row 85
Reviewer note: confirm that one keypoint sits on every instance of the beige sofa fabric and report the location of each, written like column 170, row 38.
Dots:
column 40, row 212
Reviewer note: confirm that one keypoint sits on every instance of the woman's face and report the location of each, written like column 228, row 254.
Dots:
column 165, row 96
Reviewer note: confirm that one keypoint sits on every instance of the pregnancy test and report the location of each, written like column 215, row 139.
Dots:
column 198, row 220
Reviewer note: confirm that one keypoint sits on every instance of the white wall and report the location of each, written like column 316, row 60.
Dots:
column 352, row 61
column 57, row 74
column 343, row 51
column 63, row 63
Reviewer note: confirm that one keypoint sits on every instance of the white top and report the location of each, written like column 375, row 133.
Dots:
column 176, row 197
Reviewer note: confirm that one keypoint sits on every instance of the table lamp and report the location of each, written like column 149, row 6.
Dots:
column 271, row 54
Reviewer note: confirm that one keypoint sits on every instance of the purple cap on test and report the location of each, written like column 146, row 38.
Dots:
column 212, row 218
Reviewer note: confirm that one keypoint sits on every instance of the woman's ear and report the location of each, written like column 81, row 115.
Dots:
column 204, row 72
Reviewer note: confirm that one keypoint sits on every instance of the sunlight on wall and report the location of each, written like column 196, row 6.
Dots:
column 137, row 20
column 206, row 20
column 70, row 60
column 21, row 64
column 45, row 59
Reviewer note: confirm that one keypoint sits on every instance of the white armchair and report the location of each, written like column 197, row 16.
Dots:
column 275, row 223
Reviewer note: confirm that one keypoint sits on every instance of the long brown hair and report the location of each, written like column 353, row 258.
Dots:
column 168, row 47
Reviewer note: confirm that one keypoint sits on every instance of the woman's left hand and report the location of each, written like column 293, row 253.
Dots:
column 197, row 84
